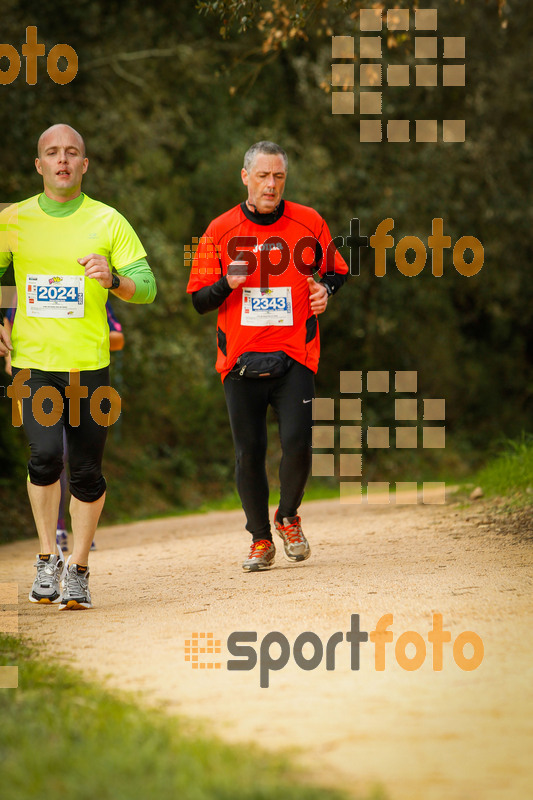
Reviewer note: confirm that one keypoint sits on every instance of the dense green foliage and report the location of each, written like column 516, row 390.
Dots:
column 168, row 102
column 79, row 741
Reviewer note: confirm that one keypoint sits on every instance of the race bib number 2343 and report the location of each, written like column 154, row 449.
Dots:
column 267, row 306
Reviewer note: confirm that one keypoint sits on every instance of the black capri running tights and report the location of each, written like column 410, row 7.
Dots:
column 248, row 400
column 85, row 441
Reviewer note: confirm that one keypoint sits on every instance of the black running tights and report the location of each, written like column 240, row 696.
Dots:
column 247, row 400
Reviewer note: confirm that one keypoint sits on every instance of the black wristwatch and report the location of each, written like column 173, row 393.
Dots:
column 115, row 282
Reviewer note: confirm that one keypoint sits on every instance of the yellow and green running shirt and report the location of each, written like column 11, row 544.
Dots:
column 45, row 238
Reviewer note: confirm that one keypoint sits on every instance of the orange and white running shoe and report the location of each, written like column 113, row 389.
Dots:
column 295, row 544
column 261, row 556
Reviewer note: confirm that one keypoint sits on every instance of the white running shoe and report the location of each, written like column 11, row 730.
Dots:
column 50, row 571
column 75, row 594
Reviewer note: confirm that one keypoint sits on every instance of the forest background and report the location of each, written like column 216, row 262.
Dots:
column 168, row 98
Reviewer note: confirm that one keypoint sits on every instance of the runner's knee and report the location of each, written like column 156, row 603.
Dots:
column 46, row 465
column 250, row 458
column 296, row 442
column 87, row 485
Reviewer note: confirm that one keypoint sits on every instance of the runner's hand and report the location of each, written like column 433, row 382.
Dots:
column 5, row 342
column 237, row 273
column 318, row 296
column 236, row 280
column 96, row 267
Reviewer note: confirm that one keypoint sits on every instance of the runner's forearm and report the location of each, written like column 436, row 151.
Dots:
column 137, row 283
column 208, row 298
column 333, row 282
column 126, row 290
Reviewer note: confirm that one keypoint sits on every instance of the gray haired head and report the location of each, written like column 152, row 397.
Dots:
column 266, row 148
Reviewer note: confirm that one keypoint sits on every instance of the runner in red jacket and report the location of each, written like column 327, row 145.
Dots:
column 255, row 263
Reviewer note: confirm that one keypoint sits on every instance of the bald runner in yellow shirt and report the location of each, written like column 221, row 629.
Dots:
column 68, row 251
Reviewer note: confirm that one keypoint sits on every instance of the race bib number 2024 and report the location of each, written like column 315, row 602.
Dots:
column 60, row 296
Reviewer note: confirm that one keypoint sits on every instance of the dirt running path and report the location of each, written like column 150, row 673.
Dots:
column 423, row 735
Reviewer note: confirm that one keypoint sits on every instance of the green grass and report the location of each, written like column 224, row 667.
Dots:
column 61, row 736
column 510, row 473
column 315, row 490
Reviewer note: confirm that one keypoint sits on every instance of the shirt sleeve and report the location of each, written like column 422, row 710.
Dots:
column 332, row 263
column 333, row 268
column 8, row 236
column 208, row 298
column 126, row 247
column 128, row 257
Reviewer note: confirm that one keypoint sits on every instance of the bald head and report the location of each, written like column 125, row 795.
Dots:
column 57, row 134
column 61, row 162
